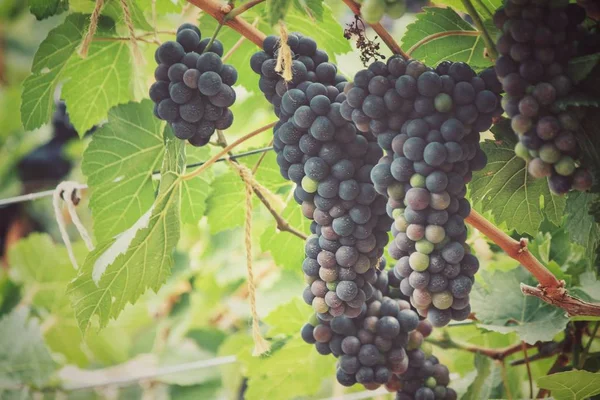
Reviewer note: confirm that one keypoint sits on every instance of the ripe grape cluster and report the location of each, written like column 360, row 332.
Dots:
column 193, row 89
column 373, row 10
column 428, row 122
column 330, row 162
column 537, row 41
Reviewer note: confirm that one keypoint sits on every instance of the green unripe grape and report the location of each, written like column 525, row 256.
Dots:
column 435, row 233
column 418, row 261
column 309, row 185
column 440, row 201
column 427, row 349
column 569, row 121
column 400, row 223
column 549, row 153
column 522, row 152
column 396, row 191
column 398, row 212
column 565, row 166
column 534, row 153
column 443, row 102
column 442, row 300
column 319, row 305
column 431, row 382
column 313, row 320
column 417, row 181
column 396, row 9
column 424, row 246
column 332, row 285
column 521, row 124
column 372, row 10
column 415, row 340
column 309, row 279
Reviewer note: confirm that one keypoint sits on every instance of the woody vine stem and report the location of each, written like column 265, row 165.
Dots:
column 550, row 289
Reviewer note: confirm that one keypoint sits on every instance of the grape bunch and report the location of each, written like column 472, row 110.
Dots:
column 330, row 162
column 193, row 89
column 373, row 10
column 428, row 122
column 425, row 379
column 536, row 44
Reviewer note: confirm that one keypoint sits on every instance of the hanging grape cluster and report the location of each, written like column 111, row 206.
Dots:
column 536, row 44
column 193, row 89
column 373, row 10
column 425, row 379
column 428, row 122
column 331, row 163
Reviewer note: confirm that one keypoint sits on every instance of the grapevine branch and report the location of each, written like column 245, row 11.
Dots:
column 380, row 30
column 487, row 38
column 495, row 354
column 550, row 289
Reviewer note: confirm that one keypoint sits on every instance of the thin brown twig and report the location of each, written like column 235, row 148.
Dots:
column 237, row 44
column 260, row 160
column 526, row 357
column 242, row 9
column 379, row 29
column 439, row 35
column 487, row 38
column 558, row 365
column 495, row 354
column 505, row 380
column 586, row 350
column 226, row 150
column 215, row 9
column 119, row 39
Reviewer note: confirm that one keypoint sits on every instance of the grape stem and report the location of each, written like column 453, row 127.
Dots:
column 496, row 354
column 216, row 10
column 379, row 29
column 226, row 150
column 550, row 289
column 487, row 38
column 439, row 35
column 241, row 9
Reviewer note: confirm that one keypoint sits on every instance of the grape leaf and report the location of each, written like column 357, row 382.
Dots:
column 500, row 306
column 118, row 164
column 97, row 83
column 226, row 203
column 277, row 10
column 114, row 10
column 296, row 370
column 580, row 225
column 46, row 8
column 577, row 99
column 485, row 8
column 287, row 249
column 120, row 270
column 48, row 68
column 312, row 8
column 488, row 377
column 580, row 67
column 453, row 43
column 195, row 191
column 162, row 6
column 505, row 188
column 24, row 358
column 288, row 318
column 571, row 385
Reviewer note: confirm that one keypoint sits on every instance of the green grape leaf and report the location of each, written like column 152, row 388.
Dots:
column 162, row 6
column 208, row 390
column 443, row 35
column 500, row 306
column 296, row 370
column 277, row 10
column 580, row 67
column 196, row 191
column 312, row 8
column 488, row 377
column 97, row 83
column 118, row 164
column 120, row 270
column 287, row 249
column 571, row 385
column 48, row 68
column 226, row 203
column 485, row 8
column 580, row 225
column 288, row 318
column 114, row 10
column 577, row 99
column 46, row 8
column 45, row 269
column 505, row 188
column 24, row 358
